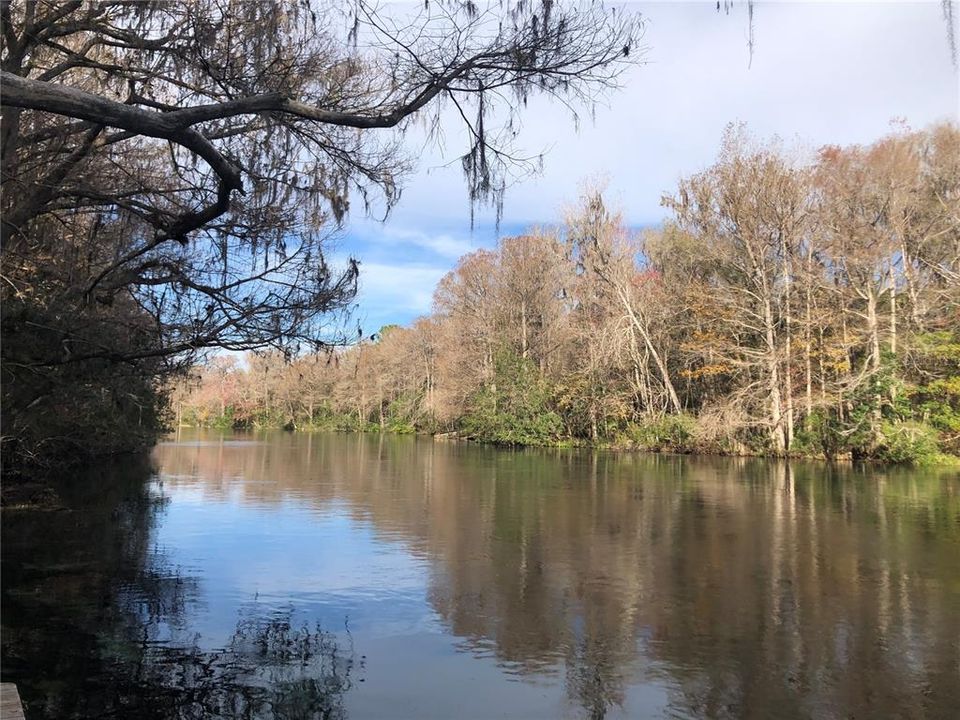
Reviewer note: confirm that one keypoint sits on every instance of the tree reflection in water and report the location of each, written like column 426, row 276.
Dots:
column 267, row 670
column 742, row 587
column 86, row 597
column 739, row 588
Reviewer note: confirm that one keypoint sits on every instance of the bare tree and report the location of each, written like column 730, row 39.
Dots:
column 209, row 147
column 604, row 250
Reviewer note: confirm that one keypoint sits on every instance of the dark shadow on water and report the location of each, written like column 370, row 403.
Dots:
column 268, row 669
column 85, row 595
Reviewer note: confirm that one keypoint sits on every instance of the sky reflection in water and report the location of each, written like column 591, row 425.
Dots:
column 399, row 577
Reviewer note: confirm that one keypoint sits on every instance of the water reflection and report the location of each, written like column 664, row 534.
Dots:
column 536, row 583
column 90, row 604
column 267, row 669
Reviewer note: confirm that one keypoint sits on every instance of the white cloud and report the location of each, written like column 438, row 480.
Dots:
column 821, row 73
column 406, row 289
column 438, row 243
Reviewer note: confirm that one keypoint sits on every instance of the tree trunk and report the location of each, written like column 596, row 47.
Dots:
column 893, row 312
column 873, row 328
column 383, row 423
column 807, row 333
column 777, row 436
column 523, row 329
column 820, row 369
column 788, row 377
column 916, row 314
column 636, row 319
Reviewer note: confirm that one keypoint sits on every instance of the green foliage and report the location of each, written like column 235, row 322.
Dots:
column 819, row 435
column 323, row 418
column 402, row 413
column 907, row 443
column 935, row 396
column 940, row 401
column 349, row 422
column 273, row 418
column 879, row 424
column 429, row 425
column 895, row 441
column 585, row 402
column 894, row 421
column 665, row 433
column 872, row 402
column 941, row 348
column 227, row 421
column 516, row 409
column 400, row 427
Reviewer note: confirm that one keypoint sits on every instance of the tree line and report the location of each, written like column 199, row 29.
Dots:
column 795, row 303
column 172, row 172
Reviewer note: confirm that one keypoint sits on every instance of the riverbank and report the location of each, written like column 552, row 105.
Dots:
column 670, row 435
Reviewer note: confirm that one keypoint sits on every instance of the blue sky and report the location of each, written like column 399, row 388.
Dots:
column 821, row 73
column 401, row 262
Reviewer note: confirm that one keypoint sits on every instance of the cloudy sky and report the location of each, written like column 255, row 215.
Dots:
column 821, row 73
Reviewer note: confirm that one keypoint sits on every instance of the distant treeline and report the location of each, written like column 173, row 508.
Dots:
column 795, row 303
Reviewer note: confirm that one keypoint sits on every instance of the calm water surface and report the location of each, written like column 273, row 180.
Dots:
column 343, row 576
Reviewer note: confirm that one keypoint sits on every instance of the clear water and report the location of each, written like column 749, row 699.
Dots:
column 350, row 576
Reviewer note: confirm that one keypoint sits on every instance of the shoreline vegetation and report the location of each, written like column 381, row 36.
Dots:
column 795, row 305
column 794, row 301
column 657, row 439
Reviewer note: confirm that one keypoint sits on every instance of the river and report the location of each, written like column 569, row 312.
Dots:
column 361, row 576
